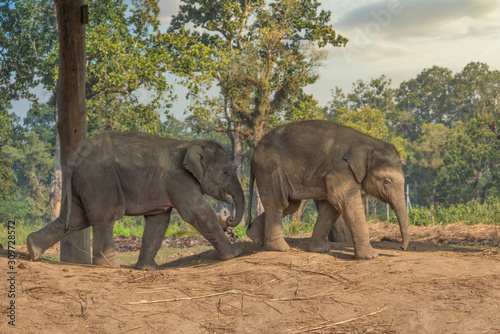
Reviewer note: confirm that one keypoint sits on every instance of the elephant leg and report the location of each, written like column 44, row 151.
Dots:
column 339, row 232
column 154, row 230
column 293, row 206
column 327, row 214
column 354, row 217
column 103, row 252
column 38, row 242
column 256, row 230
column 196, row 212
column 274, row 240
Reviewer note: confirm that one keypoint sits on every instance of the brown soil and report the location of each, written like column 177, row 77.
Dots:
column 441, row 284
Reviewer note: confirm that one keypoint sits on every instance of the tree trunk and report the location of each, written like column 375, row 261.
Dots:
column 71, row 125
column 367, row 206
column 297, row 216
column 487, row 181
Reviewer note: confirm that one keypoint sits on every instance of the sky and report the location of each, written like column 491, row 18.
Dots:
column 398, row 38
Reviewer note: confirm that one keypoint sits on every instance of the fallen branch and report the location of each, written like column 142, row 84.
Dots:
column 129, row 330
column 230, row 292
column 337, row 323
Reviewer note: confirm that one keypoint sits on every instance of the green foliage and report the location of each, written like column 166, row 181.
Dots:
column 294, row 226
column 305, row 107
column 23, row 229
column 129, row 225
column 427, row 97
column 32, row 165
column 419, row 216
column 371, row 122
column 126, row 59
column 7, row 134
column 469, row 213
column 182, row 229
column 28, row 44
column 259, row 55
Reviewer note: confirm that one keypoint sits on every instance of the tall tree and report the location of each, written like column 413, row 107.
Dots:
column 476, row 93
column 472, row 161
column 124, row 61
column 427, row 169
column 427, row 98
column 71, row 112
column 126, row 86
column 7, row 183
column 28, row 43
column 375, row 94
column 260, row 55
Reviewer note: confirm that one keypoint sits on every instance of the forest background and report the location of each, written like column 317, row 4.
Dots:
column 245, row 65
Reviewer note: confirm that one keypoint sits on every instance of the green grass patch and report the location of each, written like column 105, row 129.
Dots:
column 22, row 230
column 469, row 213
column 135, row 226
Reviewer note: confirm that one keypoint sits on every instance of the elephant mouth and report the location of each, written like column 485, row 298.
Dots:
column 223, row 197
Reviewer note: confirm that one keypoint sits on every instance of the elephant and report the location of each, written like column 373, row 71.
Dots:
column 332, row 164
column 136, row 174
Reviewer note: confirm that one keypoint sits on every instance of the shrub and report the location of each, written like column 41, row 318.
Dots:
column 420, row 216
column 469, row 213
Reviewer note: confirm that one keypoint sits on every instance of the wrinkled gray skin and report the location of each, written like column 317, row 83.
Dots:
column 332, row 164
column 116, row 174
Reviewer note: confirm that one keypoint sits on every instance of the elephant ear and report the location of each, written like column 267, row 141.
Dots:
column 358, row 158
column 194, row 161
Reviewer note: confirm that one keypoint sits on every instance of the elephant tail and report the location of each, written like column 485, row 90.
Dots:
column 250, row 197
column 69, row 195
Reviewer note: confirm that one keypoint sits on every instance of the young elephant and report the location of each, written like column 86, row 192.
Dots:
column 331, row 164
column 116, row 174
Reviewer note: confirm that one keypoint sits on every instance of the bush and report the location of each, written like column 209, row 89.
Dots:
column 129, row 225
column 469, row 213
column 22, row 229
column 420, row 216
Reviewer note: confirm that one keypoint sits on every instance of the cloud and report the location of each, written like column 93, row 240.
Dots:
column 396, row 28
column 407, row 19
column 167, row 9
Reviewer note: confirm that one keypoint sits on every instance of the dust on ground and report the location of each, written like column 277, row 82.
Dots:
column 448, row 281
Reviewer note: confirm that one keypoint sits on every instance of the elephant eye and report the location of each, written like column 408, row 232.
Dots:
column 387, row 181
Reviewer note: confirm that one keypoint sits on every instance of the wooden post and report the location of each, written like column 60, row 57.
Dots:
column 72, row 125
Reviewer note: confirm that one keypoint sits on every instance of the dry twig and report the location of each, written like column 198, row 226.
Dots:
column 196, row 297
column 129, row 330
column 302, row 330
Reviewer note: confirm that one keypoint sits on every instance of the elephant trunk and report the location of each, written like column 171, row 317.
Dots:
column 400, row 211
column 239, row 203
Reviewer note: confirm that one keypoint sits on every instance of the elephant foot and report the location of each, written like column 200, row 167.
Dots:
column 34, row 250
column 319, row 246
column 108, row 260
column 233, row 252
column 146, row 266
column 256, row 235
column 278, row 245
column 367, row 253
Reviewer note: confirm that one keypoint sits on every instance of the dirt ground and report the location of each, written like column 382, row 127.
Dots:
column 448, row 281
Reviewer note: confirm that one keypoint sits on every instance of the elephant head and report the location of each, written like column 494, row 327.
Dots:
column 209, row 164
column 380, row 173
